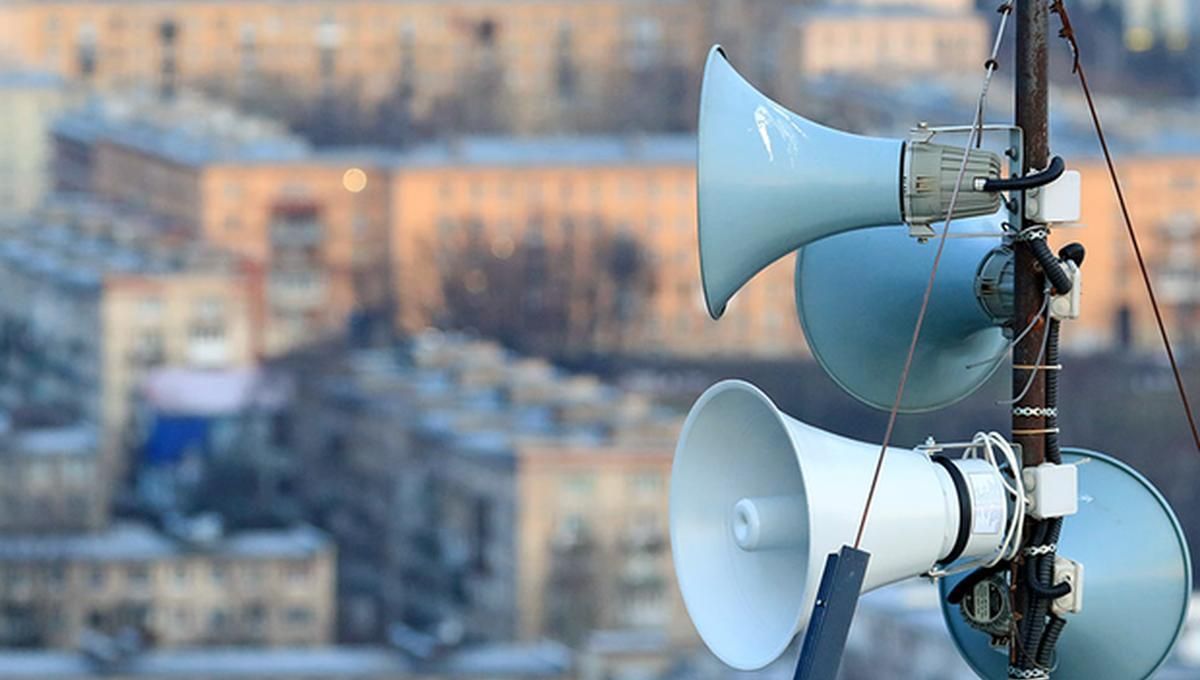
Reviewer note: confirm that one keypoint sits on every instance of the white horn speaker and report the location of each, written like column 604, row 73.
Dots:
column 1137, row 581
column 770, row 181
column 858, row 294
column 759, row 500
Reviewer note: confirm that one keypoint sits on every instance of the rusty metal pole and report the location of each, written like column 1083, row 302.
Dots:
column 1032, row 116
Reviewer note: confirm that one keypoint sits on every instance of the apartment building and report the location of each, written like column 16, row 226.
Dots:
column 308, row 226
column 532, row 63
column 93, row 305
column 570, row 197
column 461, row 481
column 884, row 40
column 266, row 588
column 1160, row 190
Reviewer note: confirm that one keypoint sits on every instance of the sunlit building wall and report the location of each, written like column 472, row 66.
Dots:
column 310, row 227
column 886, row 41
column 578, row 190
column 532, row 64
column 1161, row 194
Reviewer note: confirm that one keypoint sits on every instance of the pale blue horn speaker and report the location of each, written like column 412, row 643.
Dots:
column 771, row 181
column 858, row 294
column 1136, row 582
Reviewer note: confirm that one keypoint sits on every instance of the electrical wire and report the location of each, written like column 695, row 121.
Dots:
column 1068, row 33
column 973, row 139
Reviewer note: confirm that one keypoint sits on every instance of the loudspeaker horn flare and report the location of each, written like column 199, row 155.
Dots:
column 759, row 500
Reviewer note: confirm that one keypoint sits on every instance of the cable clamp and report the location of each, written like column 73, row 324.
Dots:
column 1032, row 234
column 1035, row 411
column 1028, row 673
column 1039, row 550
column 1028, row 433
column 1038, row 367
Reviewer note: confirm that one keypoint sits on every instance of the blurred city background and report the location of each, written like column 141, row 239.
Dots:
column 351, row 339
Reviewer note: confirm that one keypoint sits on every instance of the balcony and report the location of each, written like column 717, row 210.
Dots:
column 296, row 233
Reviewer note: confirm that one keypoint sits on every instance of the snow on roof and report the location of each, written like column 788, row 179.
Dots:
column 300, row 541
column 189, row 391
column 131, row 542
column 121, row 542
column 56, row 441
column 242, row 662
column 545, row 658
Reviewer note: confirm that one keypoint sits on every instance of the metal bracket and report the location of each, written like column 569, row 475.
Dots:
column 1015, row 153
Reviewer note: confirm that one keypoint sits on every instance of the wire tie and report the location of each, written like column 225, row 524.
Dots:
column 1035, row 411
column 1032, row 234
column 1043, row 430
column 1038, row 367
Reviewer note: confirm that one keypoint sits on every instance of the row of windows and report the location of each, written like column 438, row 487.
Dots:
column 138, row 576
column 627, row 188
column 584, row 483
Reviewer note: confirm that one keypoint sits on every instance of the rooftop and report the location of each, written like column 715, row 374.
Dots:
column 132, row 542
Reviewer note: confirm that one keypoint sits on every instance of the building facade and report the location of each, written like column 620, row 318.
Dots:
column 476, row 496
column 1160, row 190
column 530, row 64
column 93, row 307
column 884, row 40
column 31, row 100
column 499, row 199
column 267, row 588
column 308, row 227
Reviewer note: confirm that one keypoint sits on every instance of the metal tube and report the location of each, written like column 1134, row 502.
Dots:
column 1032, row 116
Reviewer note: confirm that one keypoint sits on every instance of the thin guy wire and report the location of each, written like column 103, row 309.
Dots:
column 976, row 131
column 1068, row 34
column 999, row 356
column 1033, row 371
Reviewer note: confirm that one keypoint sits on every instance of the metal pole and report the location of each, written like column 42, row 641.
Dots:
column 1032, row 116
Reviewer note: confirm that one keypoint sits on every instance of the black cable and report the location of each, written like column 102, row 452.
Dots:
column 1051, row 266
column 1031, row 181
column 1054, row 629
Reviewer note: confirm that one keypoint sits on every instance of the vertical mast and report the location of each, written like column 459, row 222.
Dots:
column 1032, row 116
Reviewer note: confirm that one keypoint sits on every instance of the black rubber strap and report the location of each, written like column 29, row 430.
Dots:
column 964, row 508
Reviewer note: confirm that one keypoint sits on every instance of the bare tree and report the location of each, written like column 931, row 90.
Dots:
column 580, row 291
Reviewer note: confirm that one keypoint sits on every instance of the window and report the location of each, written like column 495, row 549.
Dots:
column 218, row 573
column 298, row 572
column 150, row 310
column 580, row 484
column 298, row 616
column 137, row 576
column 97, row 578
column 647, row 483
